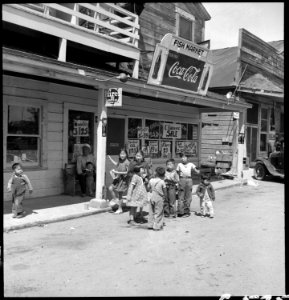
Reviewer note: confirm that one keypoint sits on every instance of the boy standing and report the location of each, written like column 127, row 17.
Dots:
column 185, row 170
column 206, row 193
column 156, row 203
column 17, row 185
column 171, row 180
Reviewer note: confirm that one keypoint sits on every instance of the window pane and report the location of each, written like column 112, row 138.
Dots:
column 23, row 150
column 154, row 128
column 23, row 120
column 263, row 142
column 252, row 114
column 264, row 124
column 185, row 30
column 264, row 113
column 184, row 131
column 133, row 124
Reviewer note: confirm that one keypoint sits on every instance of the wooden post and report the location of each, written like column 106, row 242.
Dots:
column 100, row 152
column 241, row 147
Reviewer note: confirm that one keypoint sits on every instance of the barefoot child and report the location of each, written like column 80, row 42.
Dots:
column 120, row 183
column 206, row 193
column 136, row 194
column 156, row 203
column 17, row 184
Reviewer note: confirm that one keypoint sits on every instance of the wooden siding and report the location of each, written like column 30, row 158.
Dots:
column 214, row 129
column 156, row 20
column 48, row 180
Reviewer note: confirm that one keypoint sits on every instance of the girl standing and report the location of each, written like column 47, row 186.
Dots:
column 136, row 194
column 140, row 162
column 119, row 184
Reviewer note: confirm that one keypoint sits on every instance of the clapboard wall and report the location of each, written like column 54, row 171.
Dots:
column 48, row 179
column 217, row 134
column 158, row 19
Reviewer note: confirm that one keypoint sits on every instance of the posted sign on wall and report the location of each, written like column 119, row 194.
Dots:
column 172, row 130
column 113, row 97
column 181, row 64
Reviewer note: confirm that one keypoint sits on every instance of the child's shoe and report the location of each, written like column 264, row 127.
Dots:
column 211, row 216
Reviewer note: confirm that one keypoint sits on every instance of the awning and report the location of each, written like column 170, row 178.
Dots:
column 35, row 65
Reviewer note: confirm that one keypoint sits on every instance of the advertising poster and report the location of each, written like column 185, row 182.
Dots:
column 180, row 147
column 166, row 148
column 153, row 147
column 172, row 130
column 132, row 147
column 113, row 97
column 80, row 128
column 142, row 132
column 183, row 72
column 190, row 148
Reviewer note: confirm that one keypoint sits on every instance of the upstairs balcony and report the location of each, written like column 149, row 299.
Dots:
column 104, row 28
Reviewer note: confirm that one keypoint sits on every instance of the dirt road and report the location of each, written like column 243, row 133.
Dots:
column 240, row 252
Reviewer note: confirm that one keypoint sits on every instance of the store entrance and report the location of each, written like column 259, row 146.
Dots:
column 80, row 131
column 115, row 135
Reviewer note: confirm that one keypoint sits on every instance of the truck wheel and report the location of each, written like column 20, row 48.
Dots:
column 260, row 172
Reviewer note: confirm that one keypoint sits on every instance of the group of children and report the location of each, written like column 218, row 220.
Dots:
column 168, row 192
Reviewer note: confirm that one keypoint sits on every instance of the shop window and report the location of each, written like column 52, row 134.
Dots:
column 188, row 143
column 263, row 142
column 252, row 114
column 23, row 135
column 134, row 141
column 185, row 24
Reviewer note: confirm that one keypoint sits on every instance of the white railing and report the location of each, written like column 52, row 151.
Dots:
column 98, row 18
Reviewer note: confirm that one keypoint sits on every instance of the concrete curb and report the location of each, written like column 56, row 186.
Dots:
column 56, row 219
column 90, row 212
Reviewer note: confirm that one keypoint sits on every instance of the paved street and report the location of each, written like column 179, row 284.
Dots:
column 240, row 252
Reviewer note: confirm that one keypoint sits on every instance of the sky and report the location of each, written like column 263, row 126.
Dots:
column 263, row 19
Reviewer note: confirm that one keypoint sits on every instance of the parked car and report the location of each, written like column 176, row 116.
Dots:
column 272, row 165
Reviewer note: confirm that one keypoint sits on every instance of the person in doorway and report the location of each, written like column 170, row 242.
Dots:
column 206, row 193
column 136, row 194
column 156, row 204
column 185, row 170
column 172, row 181
column 120, row 183
column 139, row 161
column 89, row 175
column 18, row 184
column 81, row 162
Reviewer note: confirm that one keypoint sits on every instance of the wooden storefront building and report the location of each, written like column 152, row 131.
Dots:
column 58, row 62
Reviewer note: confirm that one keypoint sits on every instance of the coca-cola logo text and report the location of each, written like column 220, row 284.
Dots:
column 190, row 74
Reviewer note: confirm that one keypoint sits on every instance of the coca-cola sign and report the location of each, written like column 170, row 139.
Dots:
column 182, row 71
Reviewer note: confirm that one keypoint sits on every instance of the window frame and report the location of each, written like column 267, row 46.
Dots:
column 173, row 140
column 182, row 13
column 42, row 136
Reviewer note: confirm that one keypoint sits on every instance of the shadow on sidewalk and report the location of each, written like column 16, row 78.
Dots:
column 32, row 204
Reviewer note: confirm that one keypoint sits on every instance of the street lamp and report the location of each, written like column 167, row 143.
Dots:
column 122, row 76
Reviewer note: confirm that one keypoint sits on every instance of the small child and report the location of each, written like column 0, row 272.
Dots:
column 17, row 185
column 206, row 193
column 89, row 172
column 136, row 194
column 171, row 180
column 120, row 182
column 156, row 204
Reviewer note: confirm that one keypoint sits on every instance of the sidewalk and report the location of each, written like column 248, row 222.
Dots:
column 41, row 211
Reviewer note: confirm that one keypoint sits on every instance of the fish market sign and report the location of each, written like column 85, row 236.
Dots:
column 181, row 64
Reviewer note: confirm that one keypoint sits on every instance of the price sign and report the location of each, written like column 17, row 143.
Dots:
column 132, row 147
column 113, row 97
column 154, row 147
column 166, row 148
column 80, row 128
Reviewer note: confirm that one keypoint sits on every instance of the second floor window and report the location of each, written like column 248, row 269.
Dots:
column 185, row 24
